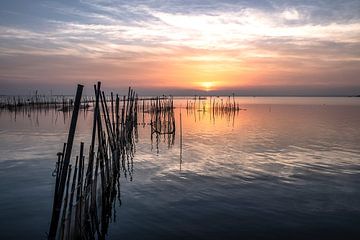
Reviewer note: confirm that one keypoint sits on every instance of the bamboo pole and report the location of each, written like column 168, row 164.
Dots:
column 181, row 140
column 58, row 202
column 73, row 185
column 63, row 219
column 93, row 135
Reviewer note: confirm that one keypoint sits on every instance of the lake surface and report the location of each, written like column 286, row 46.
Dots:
column 282, row 168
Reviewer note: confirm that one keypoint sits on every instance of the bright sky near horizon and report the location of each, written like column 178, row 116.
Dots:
column 251, row 47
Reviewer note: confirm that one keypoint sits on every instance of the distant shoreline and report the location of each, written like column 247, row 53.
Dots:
column 191, row 96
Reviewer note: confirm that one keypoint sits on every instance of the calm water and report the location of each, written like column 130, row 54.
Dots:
column 284, row 168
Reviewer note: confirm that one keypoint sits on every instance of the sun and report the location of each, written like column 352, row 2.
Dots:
column 207, row 86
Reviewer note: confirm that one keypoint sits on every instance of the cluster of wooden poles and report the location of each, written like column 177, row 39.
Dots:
column 83, row 200
column 216, row 104
column 36, row 102
column 162, row 120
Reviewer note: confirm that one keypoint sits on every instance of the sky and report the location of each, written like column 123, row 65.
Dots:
column 249, row 47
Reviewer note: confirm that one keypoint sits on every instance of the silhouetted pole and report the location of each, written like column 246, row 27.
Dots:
column 181, row 140
column 92, row 145
column 56, row 213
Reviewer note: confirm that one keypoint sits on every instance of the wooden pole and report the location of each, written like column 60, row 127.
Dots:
column 93, row 135
column 72, row 191
column 112, row 112
column 181, row 140
column 70, row 141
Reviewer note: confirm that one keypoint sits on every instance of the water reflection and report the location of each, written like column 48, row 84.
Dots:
column 162, row 122
column 279, row 168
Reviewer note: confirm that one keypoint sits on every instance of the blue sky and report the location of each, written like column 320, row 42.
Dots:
column 251, row 47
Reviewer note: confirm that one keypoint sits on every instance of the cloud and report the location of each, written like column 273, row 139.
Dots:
column 158, row 40
column 291, row 14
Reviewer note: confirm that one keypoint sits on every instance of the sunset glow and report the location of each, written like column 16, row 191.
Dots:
column 207, row 86
column 250, row 47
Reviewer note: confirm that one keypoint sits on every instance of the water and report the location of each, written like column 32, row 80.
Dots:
column 284, row 168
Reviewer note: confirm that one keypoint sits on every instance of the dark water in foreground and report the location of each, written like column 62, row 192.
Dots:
column 286, row 168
